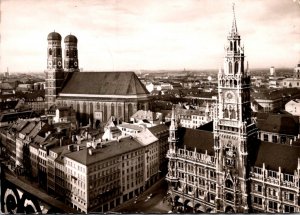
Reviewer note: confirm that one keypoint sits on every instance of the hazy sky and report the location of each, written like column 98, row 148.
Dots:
column 149, row 34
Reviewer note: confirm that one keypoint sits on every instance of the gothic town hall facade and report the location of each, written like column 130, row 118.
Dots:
column 224, row 167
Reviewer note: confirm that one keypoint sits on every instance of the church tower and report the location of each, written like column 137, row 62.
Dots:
column 234, row 133
column 71, row 54
column 297, row 71
column 54, row 72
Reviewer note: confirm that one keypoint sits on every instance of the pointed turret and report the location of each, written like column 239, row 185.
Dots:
column 173, row 139
column 234, row 27
column 173, row 125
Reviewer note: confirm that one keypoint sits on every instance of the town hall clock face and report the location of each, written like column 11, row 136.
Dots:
column 230, row 96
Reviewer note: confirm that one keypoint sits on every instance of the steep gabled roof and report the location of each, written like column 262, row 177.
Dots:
column 195, row 138
column 278, row 155
column 158, row 129
column 279, row 123
column 26, row 130
column 104, row 83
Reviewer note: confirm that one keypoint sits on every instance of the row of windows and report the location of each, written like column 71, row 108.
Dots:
column 286, row 177
column 289, row 84
column 198, row 117
column 273, row 205
column 96, row 191
column 274, row 193
column 200, row 193
column 107, row 172
column 201, row 170
column 133, row 168
column 272, row 174
column 200, row 156
column 102, row 165
column 132, row 154
column 133, row 184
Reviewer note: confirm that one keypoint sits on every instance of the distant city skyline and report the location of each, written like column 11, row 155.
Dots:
column 149, row 35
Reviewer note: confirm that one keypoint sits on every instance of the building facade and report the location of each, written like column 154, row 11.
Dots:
column 293, row 107
column 295, row 80
column 96, row 176
column 228, row 169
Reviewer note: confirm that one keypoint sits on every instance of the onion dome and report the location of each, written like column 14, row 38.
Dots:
column 70, row 39
column 54, row 36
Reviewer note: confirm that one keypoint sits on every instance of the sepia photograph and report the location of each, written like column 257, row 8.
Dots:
column 149, row 106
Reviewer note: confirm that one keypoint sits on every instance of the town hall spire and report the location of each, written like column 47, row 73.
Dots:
column 234, row 27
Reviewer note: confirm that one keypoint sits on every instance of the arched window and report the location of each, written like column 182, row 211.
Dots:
column 120, row 111
column 130, row 110
column 112, row 110
column 229, row 197
column 67, row 53
column 91, row 109
column 235, row 46
column 232, row 114
column 84, row 108
column 230, row 45
column 50, row 51
column 58, row 50
column 105, row 112
column 78, row 108
column 230, row 68
column 78, row 111
column 236, row 67
column 235, row 83
column 228, row 183
column 226, row 115
column 98, row 106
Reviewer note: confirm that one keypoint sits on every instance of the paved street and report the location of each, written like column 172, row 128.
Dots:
column 143, row 204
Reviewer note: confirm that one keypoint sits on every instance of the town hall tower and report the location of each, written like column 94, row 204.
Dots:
column 233, row 130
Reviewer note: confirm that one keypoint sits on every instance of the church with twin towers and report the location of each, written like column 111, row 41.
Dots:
column 95, row 96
